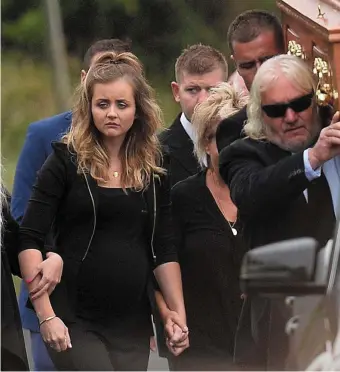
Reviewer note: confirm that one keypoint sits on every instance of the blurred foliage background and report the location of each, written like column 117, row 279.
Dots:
column 158, row 29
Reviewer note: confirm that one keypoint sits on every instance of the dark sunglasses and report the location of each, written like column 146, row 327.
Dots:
column 278, row 110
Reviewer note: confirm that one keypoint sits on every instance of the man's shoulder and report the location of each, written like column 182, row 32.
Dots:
column 238, row 117
column 249, row 145
column 231, row 128
column 253, row 149
column 57, row 123
column 167, row 133
column 164, row 135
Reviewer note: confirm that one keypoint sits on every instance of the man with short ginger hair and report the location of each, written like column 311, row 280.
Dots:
column 197, row 69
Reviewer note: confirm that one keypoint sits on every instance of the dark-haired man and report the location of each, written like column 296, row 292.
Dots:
column 253, row 37
column 197, row 69
column 36, row 149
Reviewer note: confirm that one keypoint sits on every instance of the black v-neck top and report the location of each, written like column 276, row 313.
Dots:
column 210, row 258
column 112, row 280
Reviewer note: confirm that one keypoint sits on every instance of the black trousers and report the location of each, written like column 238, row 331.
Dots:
column 12, row 362
column 120, row 344
column 195, row 360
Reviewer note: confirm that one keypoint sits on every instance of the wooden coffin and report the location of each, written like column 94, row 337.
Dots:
column 312, row 32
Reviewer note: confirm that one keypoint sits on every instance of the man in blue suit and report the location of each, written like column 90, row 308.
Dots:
column 36, row 149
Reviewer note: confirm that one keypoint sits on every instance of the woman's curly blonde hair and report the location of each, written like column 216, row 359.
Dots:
column 140, row 153
column 222, row 102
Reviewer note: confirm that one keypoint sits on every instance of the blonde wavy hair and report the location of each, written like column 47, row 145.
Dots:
column 294, row 69
column 223, row 101
column 140, row 152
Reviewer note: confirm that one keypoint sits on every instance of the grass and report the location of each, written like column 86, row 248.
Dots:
column 27, row 95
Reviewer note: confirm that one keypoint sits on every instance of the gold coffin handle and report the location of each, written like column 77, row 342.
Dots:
column 295, row 49
column 325, row 93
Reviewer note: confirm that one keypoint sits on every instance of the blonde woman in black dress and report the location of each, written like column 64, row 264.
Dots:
column 210, row 244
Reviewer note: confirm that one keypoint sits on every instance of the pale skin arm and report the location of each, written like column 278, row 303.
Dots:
column 169, row 278
column 177, row 332
column 54, row 332
column 168, row 316
column 171, row 306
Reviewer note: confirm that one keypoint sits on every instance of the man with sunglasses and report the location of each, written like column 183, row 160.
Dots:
column 284, row 179
column 253, row 37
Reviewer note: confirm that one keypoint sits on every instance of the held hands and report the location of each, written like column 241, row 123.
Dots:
column 328, row 144
column 55, row 334
column 51, row 270
column 177, row 333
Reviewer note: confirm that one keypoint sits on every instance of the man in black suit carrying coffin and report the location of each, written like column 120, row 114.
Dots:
column 253, row 37
column 284, row 178
column 197, row 69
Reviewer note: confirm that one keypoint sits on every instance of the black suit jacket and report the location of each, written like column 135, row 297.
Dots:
column 180, row 149
column 267, row 184
column 231, row 129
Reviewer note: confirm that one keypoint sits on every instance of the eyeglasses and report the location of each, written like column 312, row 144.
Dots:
column 278, row 110
column 251, row 64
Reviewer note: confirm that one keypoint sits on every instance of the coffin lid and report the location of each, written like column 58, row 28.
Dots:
column 307, row 11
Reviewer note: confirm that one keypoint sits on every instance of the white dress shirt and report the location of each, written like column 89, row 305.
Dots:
column 189, row 130
column 187, row 126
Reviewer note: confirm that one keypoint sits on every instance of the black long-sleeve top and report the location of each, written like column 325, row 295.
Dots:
column 69, row 201
column 210, row 257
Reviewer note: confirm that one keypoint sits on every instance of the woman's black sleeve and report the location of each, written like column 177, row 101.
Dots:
column 45, row 200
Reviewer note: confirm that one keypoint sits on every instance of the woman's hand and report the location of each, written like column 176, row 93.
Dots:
column 177, row 333
column 51, row 270
column 55, row 334
column 182, row 343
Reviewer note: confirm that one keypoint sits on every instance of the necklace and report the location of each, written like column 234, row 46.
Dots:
column 219, row 203
column 232, row 226
column 115, row 174
column 233, row 230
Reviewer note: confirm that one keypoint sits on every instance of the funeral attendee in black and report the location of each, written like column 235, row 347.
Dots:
column 253, row 37
column 13, row 352
column 108, row 198
column 210, row 244
column 284, row 177
column 197, row 69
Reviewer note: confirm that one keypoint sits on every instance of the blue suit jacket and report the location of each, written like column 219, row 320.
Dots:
column 37, row 148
